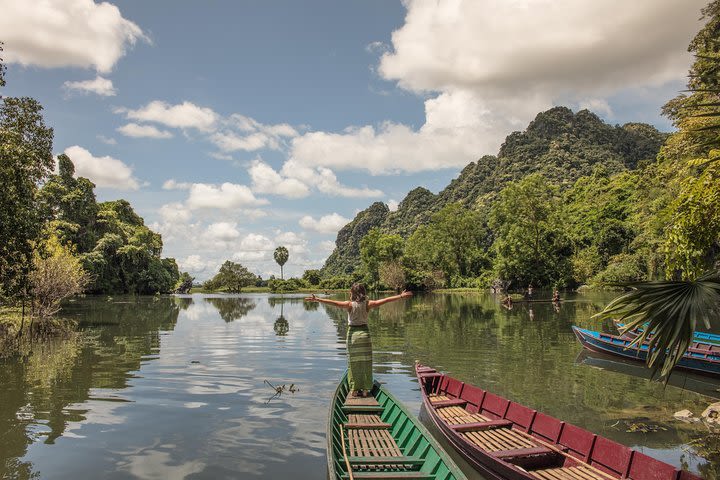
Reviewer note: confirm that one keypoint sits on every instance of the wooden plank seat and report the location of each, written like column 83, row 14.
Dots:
column 456, row 415
column 480, row 426
column 438, row 398
column 499, row 439
column 379, row 446
column 453, row 402
column 579, row 472
column 367, row 421
column 361, row 401
column 362, row 408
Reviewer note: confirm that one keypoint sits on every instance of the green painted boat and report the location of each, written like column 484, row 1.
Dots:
column 377, row 438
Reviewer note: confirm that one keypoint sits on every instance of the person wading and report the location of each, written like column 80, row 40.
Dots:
column 359, row 345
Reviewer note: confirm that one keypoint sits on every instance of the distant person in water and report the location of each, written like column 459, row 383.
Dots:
column 556, row 296
column 529, row 293
column 359, row 345
column 507, row 302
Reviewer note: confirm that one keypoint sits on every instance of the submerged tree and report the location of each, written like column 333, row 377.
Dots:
column 281, row 256
column 232, row 277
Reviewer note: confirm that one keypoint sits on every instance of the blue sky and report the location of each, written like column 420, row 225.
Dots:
column 234, row 127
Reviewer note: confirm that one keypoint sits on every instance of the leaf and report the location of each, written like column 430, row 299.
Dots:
column 668, row 312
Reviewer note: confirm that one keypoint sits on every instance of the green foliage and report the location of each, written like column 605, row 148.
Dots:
column 530, row 244
column 376, row 248
column 312, row 277
column 56, row 275
column 392, row 274
column 337, row 282
column 232, row 277
column 25, row 161
column 281, row 256
column 289, row 285
column 670, row 310
column 184, row 283
column 2, row 69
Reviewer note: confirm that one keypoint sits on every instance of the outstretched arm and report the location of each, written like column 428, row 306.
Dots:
column 377, row 303
column 313, row 298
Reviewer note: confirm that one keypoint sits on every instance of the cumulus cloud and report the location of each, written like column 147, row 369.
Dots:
column 194, row 264
column 174, row 213
column 143, row 131
column 63, row 33
column 106, row 140
column 296, row 244
column 220, row 235
column 267, row 180
column 247, row 134
column 99, row 86
column 490, row 66
column 105, row 172
column 171, row 184
column 225, row 196
column 393, row 205
column 325, row 224
column 184, row 115
column 597, row 105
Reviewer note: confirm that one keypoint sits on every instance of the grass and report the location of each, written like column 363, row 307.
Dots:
column 11, row 321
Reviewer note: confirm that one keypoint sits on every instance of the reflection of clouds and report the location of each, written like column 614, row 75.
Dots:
column 154, row 464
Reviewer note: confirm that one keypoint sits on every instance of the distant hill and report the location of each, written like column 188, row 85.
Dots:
column 558, row 143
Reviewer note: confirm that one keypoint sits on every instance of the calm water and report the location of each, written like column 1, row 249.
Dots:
column 175, row 387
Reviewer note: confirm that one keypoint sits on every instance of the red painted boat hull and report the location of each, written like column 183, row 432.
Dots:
column 573, row 446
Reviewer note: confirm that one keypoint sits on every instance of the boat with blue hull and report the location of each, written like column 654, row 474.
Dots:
column 704, row 361
column 698, row 337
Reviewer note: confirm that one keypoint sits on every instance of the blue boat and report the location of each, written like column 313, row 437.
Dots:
column 702, row 361
column 700, row 337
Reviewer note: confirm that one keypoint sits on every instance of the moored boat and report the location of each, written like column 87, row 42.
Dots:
column 508, row 441
column 700, row 360
column 375, row 437
column 701, row 340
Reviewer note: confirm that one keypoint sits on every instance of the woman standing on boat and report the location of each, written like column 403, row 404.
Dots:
column 359, row 344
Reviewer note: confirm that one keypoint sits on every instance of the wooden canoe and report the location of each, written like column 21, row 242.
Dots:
column 705, row 361
column 377, row 438
column 504, row 440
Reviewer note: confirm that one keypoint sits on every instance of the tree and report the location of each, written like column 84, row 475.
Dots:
column 25, row 161
column 530, row 245
column 392, row 275
column 2, row 69
column 232, row 277
column 376, row 248
column 281, row 256
column 185, row 283
column 57, row 274
column 313, row 277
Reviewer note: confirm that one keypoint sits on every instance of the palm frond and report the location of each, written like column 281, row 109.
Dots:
column 668, row 312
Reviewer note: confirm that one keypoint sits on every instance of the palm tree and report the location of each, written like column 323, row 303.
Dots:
column 281, row 256
column 671, row 311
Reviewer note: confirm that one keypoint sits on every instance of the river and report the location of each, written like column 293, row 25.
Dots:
column 179, row 387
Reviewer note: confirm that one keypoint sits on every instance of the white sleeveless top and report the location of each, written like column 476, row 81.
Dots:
column 358, row 314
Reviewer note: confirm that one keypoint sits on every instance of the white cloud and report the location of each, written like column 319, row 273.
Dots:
column 143, row 131
column 267, row 180
column 171, row 184
column 220, row 235
column 225, row 196
column 174, row 213
column 295, row 244
column 597, row 105
column 61, row 33
column 105, row 172
column 247, row 134
column 106, row 140
column 99, row 86
column 183, row 115
column 327, row 246
column 192, row 264
column 325, row 224
column 393, row 205
column 546, row 45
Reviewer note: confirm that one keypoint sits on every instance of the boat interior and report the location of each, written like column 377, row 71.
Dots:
column 539, row 445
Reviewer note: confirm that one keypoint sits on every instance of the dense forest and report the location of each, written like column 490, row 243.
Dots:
column 570, row 201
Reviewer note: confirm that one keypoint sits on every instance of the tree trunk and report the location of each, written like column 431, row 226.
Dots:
column 281, row 273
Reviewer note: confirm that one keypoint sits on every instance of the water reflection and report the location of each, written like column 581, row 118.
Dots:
column 175, row 387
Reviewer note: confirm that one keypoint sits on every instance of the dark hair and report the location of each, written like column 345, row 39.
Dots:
column 358, row 293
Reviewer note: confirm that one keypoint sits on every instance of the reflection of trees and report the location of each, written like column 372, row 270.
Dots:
column 232, row 308
column 115, row 337
column 281, row 299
